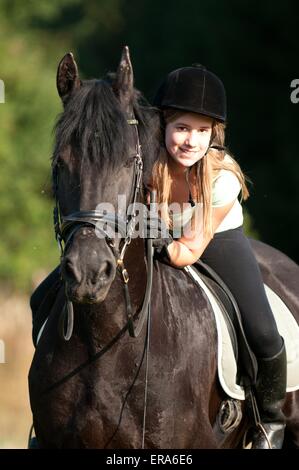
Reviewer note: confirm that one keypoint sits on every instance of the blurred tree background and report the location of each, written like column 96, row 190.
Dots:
column 251, row 45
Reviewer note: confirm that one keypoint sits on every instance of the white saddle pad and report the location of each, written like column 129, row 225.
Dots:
column 287, row 327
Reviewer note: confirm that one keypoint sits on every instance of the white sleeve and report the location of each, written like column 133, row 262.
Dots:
column 226, row 188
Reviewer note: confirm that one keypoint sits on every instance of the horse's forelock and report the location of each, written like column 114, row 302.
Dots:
column 95, row 127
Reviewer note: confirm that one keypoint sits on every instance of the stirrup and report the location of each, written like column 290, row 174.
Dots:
column 274, row 434
column 258, row 427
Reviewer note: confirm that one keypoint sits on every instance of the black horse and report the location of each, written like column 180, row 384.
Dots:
column 101, row 389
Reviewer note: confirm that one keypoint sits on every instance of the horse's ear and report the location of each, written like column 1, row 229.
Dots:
column 123, row 83
column 67, row 77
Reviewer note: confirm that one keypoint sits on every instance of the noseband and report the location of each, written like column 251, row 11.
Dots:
column 66, row 227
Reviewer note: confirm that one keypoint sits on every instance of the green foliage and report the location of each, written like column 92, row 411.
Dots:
column 27, row 117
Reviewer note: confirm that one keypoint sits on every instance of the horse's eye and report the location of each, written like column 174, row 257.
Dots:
column 62, row 162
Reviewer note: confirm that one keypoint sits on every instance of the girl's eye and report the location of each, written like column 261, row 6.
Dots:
column 182, row 129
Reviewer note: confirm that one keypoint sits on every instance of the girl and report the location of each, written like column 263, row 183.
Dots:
column 203, row 180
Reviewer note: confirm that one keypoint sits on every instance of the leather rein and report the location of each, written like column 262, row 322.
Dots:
column 66, row 227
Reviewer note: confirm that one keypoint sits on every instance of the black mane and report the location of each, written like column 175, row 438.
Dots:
column 96, row 128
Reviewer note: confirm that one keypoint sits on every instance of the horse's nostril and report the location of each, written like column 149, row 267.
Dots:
column 109, row 269
column 70, row 271
column 106, row 271
column 68, row 268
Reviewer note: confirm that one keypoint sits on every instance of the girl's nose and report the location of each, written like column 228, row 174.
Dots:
column 192, row 139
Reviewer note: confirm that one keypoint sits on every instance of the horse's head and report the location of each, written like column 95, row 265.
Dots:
column 95, row 162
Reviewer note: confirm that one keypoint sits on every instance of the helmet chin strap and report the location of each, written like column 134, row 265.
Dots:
column 213, row 146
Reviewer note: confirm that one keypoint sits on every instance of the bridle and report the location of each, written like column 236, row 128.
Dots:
column 66, row 227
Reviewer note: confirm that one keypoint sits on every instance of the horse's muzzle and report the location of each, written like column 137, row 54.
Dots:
column 85, row 282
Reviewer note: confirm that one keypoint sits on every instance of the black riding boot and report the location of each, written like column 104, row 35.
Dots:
column 270, row 396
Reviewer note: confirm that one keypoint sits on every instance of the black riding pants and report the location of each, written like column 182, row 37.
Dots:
column 230, row 254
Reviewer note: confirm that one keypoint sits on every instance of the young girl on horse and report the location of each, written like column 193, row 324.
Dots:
column 196, row 172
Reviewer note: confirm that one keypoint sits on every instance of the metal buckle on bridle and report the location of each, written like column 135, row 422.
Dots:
column 124, row 272
column 133, row 122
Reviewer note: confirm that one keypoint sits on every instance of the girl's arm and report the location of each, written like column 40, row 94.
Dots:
column 190, row 247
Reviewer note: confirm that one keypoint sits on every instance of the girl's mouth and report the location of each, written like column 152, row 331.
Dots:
column 187, row 151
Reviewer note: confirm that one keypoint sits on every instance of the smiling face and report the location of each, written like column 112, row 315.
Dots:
column 187, row 138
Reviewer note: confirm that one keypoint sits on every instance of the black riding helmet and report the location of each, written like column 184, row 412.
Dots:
column 193, row 89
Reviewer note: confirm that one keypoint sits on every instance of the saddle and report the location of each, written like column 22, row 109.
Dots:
column 237, row 365
column 244, row 356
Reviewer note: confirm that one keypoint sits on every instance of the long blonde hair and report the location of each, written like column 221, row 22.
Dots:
column 205, row 171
